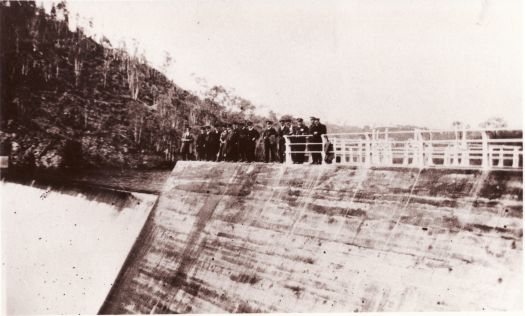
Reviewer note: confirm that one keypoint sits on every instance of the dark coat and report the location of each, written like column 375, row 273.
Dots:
column 213, row 143
column 300, row 131
column 270, row 136
column 252, row 136
column 200, row 144
column 232, row 145
column 316, row 132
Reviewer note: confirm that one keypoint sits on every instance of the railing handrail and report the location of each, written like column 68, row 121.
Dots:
column 459, row 149
column 386, row 131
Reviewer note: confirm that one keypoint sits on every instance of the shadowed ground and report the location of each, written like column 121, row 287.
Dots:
column 276, row 238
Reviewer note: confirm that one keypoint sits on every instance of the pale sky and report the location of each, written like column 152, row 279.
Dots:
column 361, row 62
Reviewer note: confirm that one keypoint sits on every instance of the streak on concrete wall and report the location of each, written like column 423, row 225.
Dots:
column 274, row 238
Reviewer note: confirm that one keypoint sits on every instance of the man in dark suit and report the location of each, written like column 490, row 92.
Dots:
column 243, row 143
column 251, row 141
column 212, row 143
column 300, row 130
column 270, row 143
column 200, row 144
column 315, row 140
column 232, row 143
column 223, row 139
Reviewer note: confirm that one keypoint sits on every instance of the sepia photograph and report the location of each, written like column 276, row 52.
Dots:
column 251, row 156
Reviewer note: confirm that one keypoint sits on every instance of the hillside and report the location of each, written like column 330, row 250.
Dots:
column 68, row 100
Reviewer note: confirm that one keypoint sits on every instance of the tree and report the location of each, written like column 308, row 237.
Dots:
column 109, row 57
column 167, row 62
column 493, row 123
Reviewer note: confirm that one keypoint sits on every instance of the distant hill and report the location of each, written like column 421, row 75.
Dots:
column 67, row 99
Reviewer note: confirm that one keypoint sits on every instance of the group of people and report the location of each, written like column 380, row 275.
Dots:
column 238, row 142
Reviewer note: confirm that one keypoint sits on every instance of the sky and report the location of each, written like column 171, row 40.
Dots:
column 360, row 62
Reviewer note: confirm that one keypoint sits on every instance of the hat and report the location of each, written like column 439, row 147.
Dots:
column 249, row 123
column 288, row 121
column 269, row 122
column 299, row 119
column 312, row 118
column 207, row 127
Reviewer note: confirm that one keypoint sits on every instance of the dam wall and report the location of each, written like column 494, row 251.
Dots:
column 63, row 246
column 240, row 237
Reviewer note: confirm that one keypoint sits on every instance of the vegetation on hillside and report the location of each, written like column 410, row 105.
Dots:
column 67, row 97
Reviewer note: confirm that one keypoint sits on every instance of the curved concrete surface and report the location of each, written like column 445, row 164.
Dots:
column 275, row 238
column 62, row 248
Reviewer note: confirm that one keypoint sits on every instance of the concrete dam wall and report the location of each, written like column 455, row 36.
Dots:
column 276, row 238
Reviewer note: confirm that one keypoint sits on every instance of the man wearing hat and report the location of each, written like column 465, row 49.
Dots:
column 316, row 130
column 200, row 144
column 222, row 139
column 187, row 143
column 232, row 143
column 300, row 129
column 270, row 142
column 280, row 139
column 212, row 143
column 252, row 135
column 243, row 142
column 286, row 130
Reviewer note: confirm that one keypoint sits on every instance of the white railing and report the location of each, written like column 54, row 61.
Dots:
column 478, row 149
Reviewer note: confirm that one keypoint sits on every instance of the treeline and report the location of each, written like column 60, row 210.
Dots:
column 63, row 90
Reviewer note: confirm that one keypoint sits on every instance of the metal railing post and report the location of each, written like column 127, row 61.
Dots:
column 485, row 163
column 288, row 150
column 418, row 159
column 324, row 145
column 501, row 157
column 373, row 149
column 515, row 157
column 367, row 150
column 323, row 149
column 465, row 155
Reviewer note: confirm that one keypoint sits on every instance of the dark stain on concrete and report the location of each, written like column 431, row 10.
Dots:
column 226, row 235
column 305, row 260
column 245, row 278
column 246, row 309
column 295, row 289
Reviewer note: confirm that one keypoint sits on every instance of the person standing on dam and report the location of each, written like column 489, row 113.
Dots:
column 286, row 130
column 251, row 141
column 212, row 143
column 200, row 144
column 222, row 145
column 270, row 143
column 187, row 143
column 243, row 143
column 315, row 140
column 300, row 130
column 232, row 143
